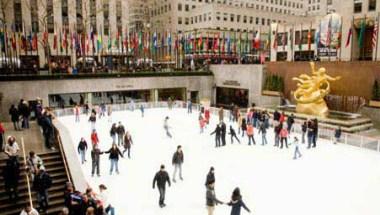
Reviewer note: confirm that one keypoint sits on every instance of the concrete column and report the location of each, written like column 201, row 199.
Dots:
column 89, row 98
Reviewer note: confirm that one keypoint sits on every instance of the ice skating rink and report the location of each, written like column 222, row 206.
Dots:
column 328, row 180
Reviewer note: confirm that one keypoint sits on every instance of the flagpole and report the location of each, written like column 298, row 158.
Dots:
column 352, row 35
column 377, row 36
column 340, row 38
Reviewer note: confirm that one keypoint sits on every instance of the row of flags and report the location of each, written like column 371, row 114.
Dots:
column 187, row 43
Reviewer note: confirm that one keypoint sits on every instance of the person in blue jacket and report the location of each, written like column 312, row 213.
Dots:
column 237, row 203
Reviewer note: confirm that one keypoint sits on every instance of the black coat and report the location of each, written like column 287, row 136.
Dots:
column 42, row 182
column 14, row 114
column 120, row 130
column 177, row 157
column 223, row 129
column 211, row 199
column 244, row 124
column 95, row 155
column 217, row 131
column 82, row 145
column 161, row 178
column 210, row 178
column 114, row 153
column 232, row 132
column 237, row 205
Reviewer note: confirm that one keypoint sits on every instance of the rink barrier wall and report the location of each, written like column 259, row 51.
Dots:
column 323, row 132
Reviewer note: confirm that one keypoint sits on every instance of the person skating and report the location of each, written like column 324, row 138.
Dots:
column 250, row 134
column 95, row 157
column 217, row 132
column 77, row 113
column 42, row 182
column 82, row 148
column 14, row 117
column 237, row 203
column 92, row 119
column 202, row 122
column 207, row 116
column 284, row 137
column 277, row 129
column 161, row 178
column 221, row 114
column 177, row 162
column 233, row 135
column 338, row 133
column 210, row 178
column 310, row 133
column 297, row 153
column 315, row 132
column 243, row 126
column 189, row 106
column 127, row 144
column 142, row 110
column 167, row 127
column 120, row 130
column 94, row 138
column 290, row 121
column 239, row 122
column 109, row 113
column 223, row 128
column 304, row 130
column 211, row 200
column 114, row 157
column 263, row 131
column 113, row 132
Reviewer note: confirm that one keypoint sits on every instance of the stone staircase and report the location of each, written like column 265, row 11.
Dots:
column 53, row 163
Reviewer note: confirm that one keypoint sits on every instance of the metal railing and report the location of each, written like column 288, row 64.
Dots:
column 63, row 155
column 323, row 132
column 27, row 173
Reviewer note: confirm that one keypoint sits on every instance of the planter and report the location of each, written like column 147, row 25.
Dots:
column 373, row 103
column 271, row 93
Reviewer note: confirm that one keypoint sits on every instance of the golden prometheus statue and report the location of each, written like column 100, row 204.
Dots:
column 312, row 90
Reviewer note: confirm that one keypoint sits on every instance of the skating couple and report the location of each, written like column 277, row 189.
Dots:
column 220, row 134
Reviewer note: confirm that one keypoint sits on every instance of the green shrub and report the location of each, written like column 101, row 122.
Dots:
column 376, row 91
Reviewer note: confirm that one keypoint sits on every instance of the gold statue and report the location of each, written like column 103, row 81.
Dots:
column 312, row 90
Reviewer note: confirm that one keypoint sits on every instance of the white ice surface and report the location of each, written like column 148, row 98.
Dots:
column 328, row 180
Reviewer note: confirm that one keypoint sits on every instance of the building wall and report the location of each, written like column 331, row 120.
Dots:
column 13, row 91
column 357, row 77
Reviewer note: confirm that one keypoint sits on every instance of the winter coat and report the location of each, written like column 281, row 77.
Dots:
column 160, row 179
column 120, row 130
column 82, row 146
column 304, row 127
column 276, row 116
column 211, row 199
column 42, row 181
column 210, row 178
column 223, row 129
column 263, row 128
column 282, row 118
column 128, row 141
column 11, row 172
column 250, row 130
column 177, row 158
column 92, row 118
column 232, row 132
column 14, row 114
column 244, row 124
column 217, row 131
column 113, row 131
column 24, row 110
column 2, row 129
column 114, row 153
column 338, row 133
column 207, row 115
column 290, row 121
column 94, row 138
column 236, row 206
column 95, row 155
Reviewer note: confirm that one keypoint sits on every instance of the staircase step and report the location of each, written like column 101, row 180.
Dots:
column 55, row 204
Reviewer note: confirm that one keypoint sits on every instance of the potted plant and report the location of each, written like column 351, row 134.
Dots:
column 375, row 102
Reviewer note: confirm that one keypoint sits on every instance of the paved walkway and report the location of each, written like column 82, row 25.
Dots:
column 33, row 138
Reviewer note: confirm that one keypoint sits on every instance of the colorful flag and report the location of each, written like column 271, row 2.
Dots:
column 329, row 33
column 284, row 38
column 317, row 36
column 309, row 39
column 374, row 34
column 349, row 36
column 55, row 42
column 34, row 42
column 257, row 40
column 275, row 39
column 169, row 42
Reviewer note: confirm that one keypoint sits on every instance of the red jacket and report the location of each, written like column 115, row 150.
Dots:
column 282, row 118
column 284, row 133
column 207, row 114
column 249, row 129
column 2, row 129
column 94, row 138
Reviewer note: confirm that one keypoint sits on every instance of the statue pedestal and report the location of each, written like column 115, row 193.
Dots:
column 318, row 108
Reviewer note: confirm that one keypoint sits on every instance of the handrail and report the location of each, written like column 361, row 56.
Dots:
column 27, row 175
column 63, row 156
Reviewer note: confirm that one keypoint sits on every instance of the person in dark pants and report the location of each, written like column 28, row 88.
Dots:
column 315, row 132
column 82, row 148
column 243, row 126
column 223, row 128
column 42, row 182
column 114, row 157
column 211, row 199
column 127, row 144
column 95, row 156
column 177, row 162
column 14, row 117
column 304, row 130
column 120, row 134
column 217, row 133
column 161, row 178
column 290, row 121
column 233, row 135
column 338, row 133
column 11, row 174
column 237, row 203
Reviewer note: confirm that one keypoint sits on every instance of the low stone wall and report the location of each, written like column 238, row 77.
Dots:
column 372, row 113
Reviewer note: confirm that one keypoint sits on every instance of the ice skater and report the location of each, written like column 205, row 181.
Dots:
column 232, row 133
column 211, row 200
column 207, row 116
column 120, row 130
column 132, row 105
column 114, row 157
column 250, row 134
column 177, row 162
column 237, row 203
column 77, row 113
column 142, row 110
column 92, row 120
column 243, row 126
column 217, row 133
column 109, row 113
column 223, row 128
column 202, row 122
column 167, row 127
column 95, row 157
column 210, row 178
column 113, row 132
column 338, row 133
column 161, row 178
column 297, row 153
column 82, row 148
column 284, row 137
column 127, row 144
column 94, row 138
column 263, row 131
column 304, row 130
column 189, row 106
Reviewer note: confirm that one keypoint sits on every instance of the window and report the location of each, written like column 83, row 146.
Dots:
column 196, row 19
column 166, row 8
column 192, row 20
column 250, row 20
column 268, row 21
column 262, row 21
column 232, row 17
column 34, row 15
column 179, row 20
column 244, row 19
column 186, row 21
column 193, row 7
column 371, row 5
column 50, row 16
column 329, row 2
column 238, row 18
column 257, row 20
column 225, row 15
column 179, row 7
column 187, row 7
column 218, row 16
column 357, row 6
column 18, row 15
